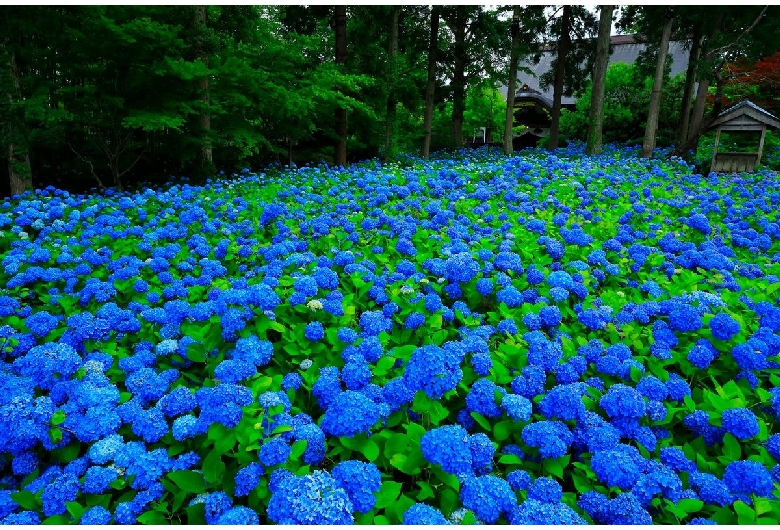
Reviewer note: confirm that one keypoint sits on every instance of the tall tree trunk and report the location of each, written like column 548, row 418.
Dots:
column 433, row 45
column 205, row 153
column 511, row 87
column 690, row 81
column 658, row 81
column 340, row 21
column 459, row 77
column 698, row 125
column 390, row 115
column 595, row 128
column 19, row 169
column 564, row 42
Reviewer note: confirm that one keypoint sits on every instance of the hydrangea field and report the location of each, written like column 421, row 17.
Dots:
column 549, row 338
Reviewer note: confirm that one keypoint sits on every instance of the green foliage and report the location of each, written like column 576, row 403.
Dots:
column 626, row 100
column 735, row 143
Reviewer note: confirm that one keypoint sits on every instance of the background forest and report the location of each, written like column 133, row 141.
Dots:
column 115, row 95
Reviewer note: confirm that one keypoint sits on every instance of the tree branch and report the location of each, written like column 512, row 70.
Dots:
column 747, row 30
column 134, row 162
column 91, row 166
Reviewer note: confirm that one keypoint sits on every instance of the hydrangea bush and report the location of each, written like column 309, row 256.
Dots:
column 546, row 338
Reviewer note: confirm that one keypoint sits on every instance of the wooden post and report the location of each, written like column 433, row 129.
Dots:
column 715, row 150
column 760, row 145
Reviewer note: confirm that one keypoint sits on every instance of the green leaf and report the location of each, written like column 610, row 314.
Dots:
column 153, row 517
column 731, row 447
column 502, row 430
column 27, row 500
column 370, row 450
column 745, row 514
column 58, row 417
column 483, row 422
column 55, row 433
column 75, row 509
column 469, row 519
column 388, row 493
column 196, row 514
column 446, row 478
column 510, row 459
column 196, row 352
column 438, row 413
column 213, row 468
column 298, row 448
column 690, row 505
column 396, row 444
column 422, row 403
column 763, row 506
column 381, row 520
column 415, row 431
column 426, row 492
column 556, row 467
column 383, row 365
column 189, row 481
column 56, row 520
column 226, row 443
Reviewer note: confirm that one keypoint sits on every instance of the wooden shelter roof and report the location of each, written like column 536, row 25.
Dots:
column 745, row 116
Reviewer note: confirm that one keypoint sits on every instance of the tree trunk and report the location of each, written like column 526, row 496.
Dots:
column 511, row 87
column 698, row 124
column 564, row 42
column 433, row 45
column 340, row 21
column 19, row 169
column 459, row 78
column 595, row 128
column 658, row 81
column 205, row 153
column 690, row 81
column 392, row 53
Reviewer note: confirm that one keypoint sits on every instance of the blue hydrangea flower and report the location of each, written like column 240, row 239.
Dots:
column 449, row 447
column 482, row 451
column 461, row 268
column 349, row 414
column 623, row 401
column 347, row 335
column 422, row 514
column 374, row 323
column 564, row 402
column 414, row 320
column 360, row 480
column 685, row 318
column 711, row 489
column 517, row 407
column 550, row 316
column 619, row 467
column 274, row 451
column 97, row 515
column 433, row 369
column 481, row 398
column 723, row 326
column 545, row 490
column 311, row 499
column 314, row 331
column 553, row 438
column 534, row 512
column 741, row 423
column 488, row 497
column 746, row 477
column 239, row 515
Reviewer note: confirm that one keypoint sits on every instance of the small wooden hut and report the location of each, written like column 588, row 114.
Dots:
column 744, row 117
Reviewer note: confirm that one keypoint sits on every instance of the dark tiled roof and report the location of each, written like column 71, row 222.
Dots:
column 625, row 49
column 740, row 108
